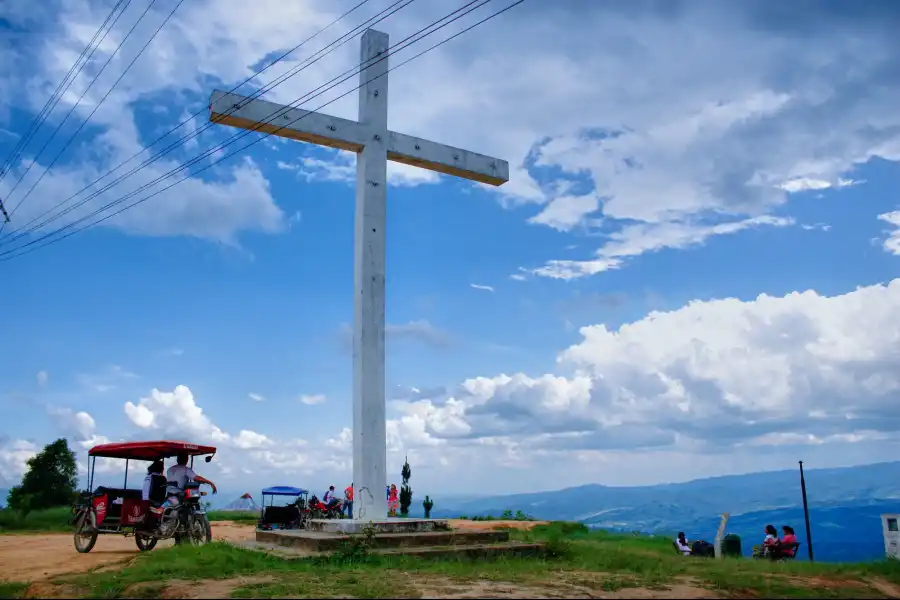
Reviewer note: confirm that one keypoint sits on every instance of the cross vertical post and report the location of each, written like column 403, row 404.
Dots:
column 374, row 145
column 369, row 415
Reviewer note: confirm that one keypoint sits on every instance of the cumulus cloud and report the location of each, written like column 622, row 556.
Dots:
column 803, row 368
column 14, row 456
column 633, row 156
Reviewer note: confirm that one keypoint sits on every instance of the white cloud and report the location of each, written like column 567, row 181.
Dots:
column 634, row 240
column 14, row 455
column 735, row 143
column 256, row 397
column 311, row 399
column 712, row 374
column 43, row 378
column 892, row 243
column 478, row 286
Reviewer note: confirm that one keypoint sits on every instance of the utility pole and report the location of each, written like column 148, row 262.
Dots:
column 806, row 514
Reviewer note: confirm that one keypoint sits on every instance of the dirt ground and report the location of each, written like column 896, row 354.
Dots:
column 40, row 556
column 464, row 524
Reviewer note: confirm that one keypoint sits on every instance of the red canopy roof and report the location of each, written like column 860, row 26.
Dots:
column 150, row 450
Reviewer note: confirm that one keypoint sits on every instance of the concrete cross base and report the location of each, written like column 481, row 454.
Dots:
column 387, row 525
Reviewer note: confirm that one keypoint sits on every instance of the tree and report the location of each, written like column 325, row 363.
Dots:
column 428, row 505
column 405, row 491
column 49, row 481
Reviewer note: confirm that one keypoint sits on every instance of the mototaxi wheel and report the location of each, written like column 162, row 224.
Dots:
column 85, row 532
column 200, row 530
column 145, row 543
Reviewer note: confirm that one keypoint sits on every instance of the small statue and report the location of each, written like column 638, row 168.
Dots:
column 427, row 505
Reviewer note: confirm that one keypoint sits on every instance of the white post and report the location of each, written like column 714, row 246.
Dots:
column 720, row 534
column 369, row 416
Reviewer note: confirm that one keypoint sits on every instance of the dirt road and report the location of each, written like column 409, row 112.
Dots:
column 29, row 557
column 36, row 557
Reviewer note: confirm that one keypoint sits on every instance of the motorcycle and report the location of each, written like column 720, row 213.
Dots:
column 180, row 517
column 319, row 510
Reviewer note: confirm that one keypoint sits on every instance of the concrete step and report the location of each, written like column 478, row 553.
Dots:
column 317, row 541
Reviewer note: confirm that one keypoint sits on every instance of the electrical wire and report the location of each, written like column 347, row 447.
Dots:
column 106, row 95
column 8, row 255
column 57, row 93
column 20, row 231
column 234, row 137
column 74, row 106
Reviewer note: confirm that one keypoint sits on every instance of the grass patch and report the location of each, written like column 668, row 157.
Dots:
column 578, row 559
column 12, row 589
column 50, row 520
column 238, row 516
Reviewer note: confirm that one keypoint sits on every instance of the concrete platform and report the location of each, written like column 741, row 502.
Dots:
column 387, row 525
column 323, row 541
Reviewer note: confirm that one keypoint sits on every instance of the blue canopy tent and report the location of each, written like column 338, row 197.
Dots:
column 288, row 516
column 284, row 490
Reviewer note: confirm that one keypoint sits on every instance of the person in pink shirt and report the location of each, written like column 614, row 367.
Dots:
column 788, row 540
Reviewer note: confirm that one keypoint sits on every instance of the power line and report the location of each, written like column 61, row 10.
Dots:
column 315, row 93
column 4, row 256
column 54, row 97
column 74, row 106
column 106, row 95
column 390, row 10
column 19, row 232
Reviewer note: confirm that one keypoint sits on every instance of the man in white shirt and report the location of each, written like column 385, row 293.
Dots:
column 179, row 474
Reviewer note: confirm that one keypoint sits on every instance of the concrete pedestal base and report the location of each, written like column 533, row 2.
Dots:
column 420, row 537
column 387, row 525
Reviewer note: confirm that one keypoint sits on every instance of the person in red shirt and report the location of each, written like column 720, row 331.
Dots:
column 348, row 501
column 788, row 540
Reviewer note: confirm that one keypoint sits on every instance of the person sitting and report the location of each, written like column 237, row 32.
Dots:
column 788, row 545
column 153, row 482
column 330, row 499
column 153, row 491
column 682, row 544
column 179, row 474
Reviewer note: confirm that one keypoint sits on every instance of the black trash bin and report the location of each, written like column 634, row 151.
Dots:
column 731, row 545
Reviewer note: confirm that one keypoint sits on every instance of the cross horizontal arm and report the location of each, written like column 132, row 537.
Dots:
column 318, row 128
column 277, row 119
column 414, row 151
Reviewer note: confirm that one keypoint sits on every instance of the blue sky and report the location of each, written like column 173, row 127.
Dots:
column 662, row 161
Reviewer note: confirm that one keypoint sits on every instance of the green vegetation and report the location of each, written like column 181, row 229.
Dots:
column 405, row 490
column 507, row 515
column 12, row 589
column 57, row 519
column 578, row 562
column 49, row 481
column 48, row 520
column 238, row 516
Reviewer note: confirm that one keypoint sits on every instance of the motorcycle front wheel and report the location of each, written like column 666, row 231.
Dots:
column 200, row 531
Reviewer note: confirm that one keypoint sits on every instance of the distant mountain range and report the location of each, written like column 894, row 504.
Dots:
column 845, row 507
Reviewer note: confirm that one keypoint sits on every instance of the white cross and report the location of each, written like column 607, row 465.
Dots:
column 374, row 144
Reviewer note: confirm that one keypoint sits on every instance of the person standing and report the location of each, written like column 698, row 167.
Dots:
column 348, row 501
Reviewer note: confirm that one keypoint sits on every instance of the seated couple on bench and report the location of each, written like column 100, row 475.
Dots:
column 772, row 547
